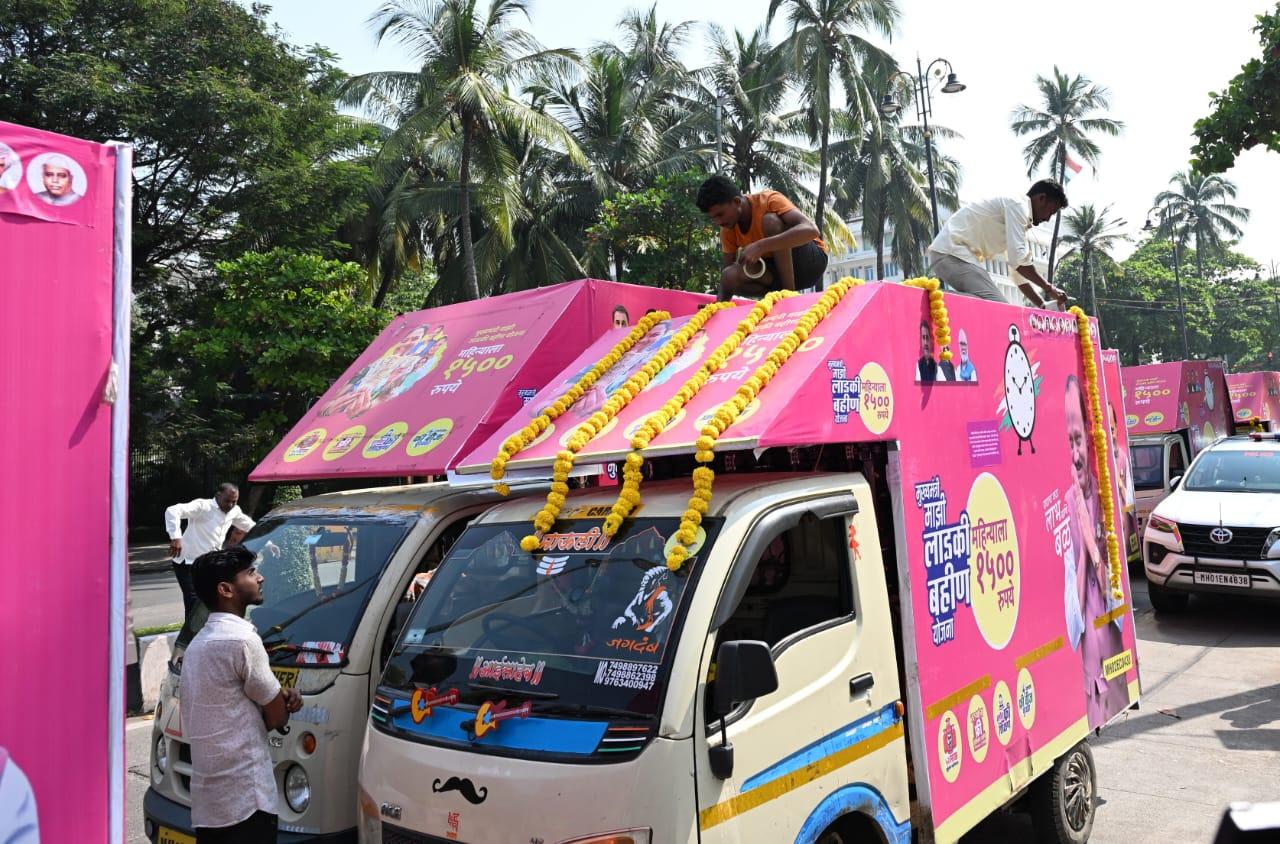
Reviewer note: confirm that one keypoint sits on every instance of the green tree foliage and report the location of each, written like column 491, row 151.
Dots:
column 1200, row 205
column 664, row 240
column 1248, row 112
column 285, row 327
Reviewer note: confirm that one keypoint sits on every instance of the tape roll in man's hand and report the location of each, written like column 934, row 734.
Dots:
column 746, row 268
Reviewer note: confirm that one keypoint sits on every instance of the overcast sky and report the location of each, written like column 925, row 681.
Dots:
column 1159, row 59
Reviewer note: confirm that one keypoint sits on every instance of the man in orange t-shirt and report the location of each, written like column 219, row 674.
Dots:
column 767, row 244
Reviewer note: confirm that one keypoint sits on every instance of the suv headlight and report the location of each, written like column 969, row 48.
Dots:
column 622, row 836
column 1271, row 548
column 162, row 754
column 1160, row 524
column 297, row 789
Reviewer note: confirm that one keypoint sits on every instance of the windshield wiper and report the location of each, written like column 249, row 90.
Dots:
column 521, row 693
column 588, row 709
column 355, row 588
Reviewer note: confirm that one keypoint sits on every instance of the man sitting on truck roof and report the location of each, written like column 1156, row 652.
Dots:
column 981, row 230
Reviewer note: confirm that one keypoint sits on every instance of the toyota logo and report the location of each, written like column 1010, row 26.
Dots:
column 1220, row 535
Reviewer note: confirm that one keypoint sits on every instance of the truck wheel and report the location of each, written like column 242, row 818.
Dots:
column 1165, row 600
column 1063, row 800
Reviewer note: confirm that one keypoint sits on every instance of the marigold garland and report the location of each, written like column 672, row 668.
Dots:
column 728, row 412
column 1100, row 449
column 589, row 429
column 521, row 439
column 938, row 315
column 629, row 495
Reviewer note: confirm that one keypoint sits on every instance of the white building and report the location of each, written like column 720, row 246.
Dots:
column 861, row 262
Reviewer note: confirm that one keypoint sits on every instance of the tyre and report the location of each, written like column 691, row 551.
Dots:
column 1063, row 801
column 1165, row 600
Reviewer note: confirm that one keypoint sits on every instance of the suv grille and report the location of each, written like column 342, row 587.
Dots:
column 396, row 835
column 1245, row 544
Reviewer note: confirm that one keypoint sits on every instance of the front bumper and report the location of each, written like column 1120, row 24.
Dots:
column 1177, row 570
column 161, row 811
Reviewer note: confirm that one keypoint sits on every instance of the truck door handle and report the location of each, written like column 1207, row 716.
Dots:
column 860, row 684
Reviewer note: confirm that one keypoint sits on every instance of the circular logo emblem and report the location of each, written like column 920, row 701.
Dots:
column 747, row 413
column 978, row 728
column 1244, row 413
column 385, row 440
column 343, row 443
column 1026, row 699
column 995, row 581
column 1155, row 417
column 429, row 437
column 875, row 398
column 949, row 749
column 1221, row 535
column 1130, row 420
column 305, row 444
column 1002, row 709
column 1209, row 433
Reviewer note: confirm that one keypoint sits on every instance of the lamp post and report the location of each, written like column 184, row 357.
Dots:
column 1177, row 274
column 919, row 82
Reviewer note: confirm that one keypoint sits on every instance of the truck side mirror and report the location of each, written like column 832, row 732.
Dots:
column 1174, row 481
column 744, row 671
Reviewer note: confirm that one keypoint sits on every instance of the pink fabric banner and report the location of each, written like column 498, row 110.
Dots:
column 436, row 382
column 55, row 356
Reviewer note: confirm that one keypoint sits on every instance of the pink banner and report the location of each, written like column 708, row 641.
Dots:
column 1018, row 643
column 1126, row 501
column 1255, row 396
column 1185, row 395
column 55, row 356
column 437, row 382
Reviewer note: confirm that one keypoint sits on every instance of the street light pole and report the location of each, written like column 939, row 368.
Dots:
column 924, row 110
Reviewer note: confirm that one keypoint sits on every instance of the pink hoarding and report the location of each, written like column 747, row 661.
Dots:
column 437, row 382
column 1190, row 396
column 1017, row 643
column 1255, row 396
column 62, row 619
column 1127, row 517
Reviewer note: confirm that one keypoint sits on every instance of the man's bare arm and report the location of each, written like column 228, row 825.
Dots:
column 1029, row 272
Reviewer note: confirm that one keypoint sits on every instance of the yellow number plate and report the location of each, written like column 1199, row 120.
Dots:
column 288, row 678
column 171, row 836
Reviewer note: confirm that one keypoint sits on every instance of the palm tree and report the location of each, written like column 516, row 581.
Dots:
column 1204, row 199
column 468, row 58
column 750, row 80
column 1062, row 125
column 879, row 173
column 825, row 43
column 1091, row 233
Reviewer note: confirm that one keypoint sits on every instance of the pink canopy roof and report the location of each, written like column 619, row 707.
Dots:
column 437, row 382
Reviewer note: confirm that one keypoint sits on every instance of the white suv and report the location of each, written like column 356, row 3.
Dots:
column 1219, row 530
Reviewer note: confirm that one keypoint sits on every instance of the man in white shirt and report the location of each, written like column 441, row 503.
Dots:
column 982, row 230
column 230, row 699
column 208, row 520
column 18, row 821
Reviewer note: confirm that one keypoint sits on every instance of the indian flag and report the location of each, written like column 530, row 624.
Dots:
column 1073, row 168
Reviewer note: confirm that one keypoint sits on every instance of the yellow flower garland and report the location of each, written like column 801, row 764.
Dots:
column 521, row 439
column 1103, row 471
column 589, row 429
column 938, row 316
column 728, row 412
column 629, row 495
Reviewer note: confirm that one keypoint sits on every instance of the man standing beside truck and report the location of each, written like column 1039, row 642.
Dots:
column 230, row 699
column 208, row 520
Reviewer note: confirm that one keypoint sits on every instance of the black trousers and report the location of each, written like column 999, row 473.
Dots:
column 189, row 602
column 258, row 828
column 809, row 262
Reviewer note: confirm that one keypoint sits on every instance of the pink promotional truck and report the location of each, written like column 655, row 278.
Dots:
column 1172, row 411
column 1255, row 399
column 888, row 601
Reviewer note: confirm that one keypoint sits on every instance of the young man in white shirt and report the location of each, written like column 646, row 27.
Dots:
column 230, row 699
column 18, row 821
column 208, row 520
column 984, row 229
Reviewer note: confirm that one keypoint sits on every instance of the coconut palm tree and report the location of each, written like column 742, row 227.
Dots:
column 1206, row 200
column 749, row 80
column 826, row 43
column 878, row 172
column 1067, row 117
column 468, row 58
column 1092, row 234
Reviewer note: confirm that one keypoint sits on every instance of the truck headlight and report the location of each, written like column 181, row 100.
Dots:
column 297, row 789
column 162, row 755
column 622, row 836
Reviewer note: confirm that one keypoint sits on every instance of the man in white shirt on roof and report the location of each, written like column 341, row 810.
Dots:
column 982, row 230
column 208, row 520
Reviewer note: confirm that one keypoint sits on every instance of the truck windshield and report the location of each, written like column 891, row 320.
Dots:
column 1229, row 470
column 319, row 572
column 1148, row 466
column 582, row 629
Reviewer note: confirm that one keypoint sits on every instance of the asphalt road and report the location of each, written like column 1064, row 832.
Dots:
column 1207, row 733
